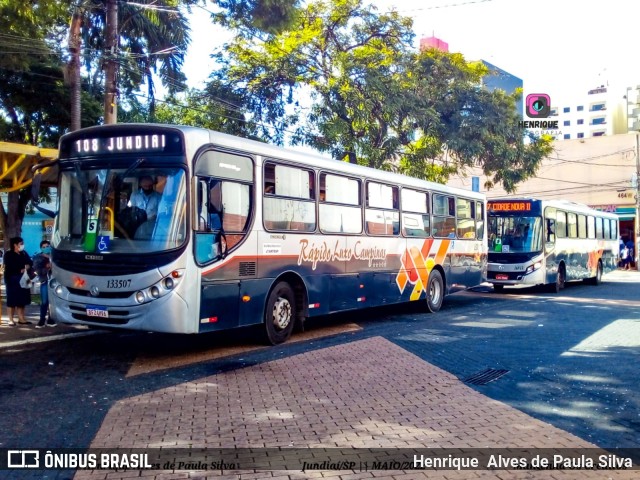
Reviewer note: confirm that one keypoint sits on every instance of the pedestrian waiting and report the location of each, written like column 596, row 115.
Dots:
column 17, row 263
column 42, row 266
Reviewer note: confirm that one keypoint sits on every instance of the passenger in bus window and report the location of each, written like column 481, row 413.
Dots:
column 517, row 241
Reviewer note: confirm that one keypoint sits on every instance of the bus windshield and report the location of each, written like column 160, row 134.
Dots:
column 125, row 210
column 515, row 234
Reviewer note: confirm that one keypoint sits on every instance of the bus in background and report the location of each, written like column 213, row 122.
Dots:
column 549, row 242
column 184, row 230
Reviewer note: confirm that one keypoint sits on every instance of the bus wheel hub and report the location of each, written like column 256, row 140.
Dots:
column 281, row 313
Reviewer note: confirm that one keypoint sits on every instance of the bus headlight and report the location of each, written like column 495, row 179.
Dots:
column 139, row 297
column 161, row 288
column 533, row 268
column 55, row 286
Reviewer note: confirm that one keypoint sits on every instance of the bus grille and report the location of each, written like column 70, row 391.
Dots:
column 86, row 293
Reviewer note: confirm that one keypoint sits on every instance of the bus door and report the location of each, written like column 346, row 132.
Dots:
column 222, row 206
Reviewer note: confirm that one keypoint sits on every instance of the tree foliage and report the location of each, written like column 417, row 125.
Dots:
column 374, row 100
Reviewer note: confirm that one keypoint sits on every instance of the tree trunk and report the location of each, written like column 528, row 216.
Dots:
column 111, row 83
column 74, row 69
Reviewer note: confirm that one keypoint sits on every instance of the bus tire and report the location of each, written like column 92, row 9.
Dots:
column 280, row 314
column 435, row 291
column 597, row 280
column 558, row 285
column 498, row 287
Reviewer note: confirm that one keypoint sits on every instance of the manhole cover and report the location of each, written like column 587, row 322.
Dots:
column 485, row 376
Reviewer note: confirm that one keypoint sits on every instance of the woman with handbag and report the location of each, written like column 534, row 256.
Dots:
column 16, row 263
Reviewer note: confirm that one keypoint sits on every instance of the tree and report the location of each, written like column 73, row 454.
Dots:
column 216, row 108
column 374, row 99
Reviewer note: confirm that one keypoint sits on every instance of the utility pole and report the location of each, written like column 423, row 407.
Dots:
column 111, row 64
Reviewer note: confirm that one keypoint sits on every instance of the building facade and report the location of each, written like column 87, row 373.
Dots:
column 599, row 171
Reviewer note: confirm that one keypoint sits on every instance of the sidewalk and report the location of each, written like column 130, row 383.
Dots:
column 11, row 335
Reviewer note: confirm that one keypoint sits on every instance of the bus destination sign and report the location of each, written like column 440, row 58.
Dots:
column 119, row 144
column 507, row 206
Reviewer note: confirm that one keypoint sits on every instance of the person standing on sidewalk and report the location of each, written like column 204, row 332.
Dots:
column 42, row 266
column 16, row 262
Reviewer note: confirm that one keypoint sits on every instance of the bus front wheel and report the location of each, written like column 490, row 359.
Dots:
column 280, row 314
column 435, row 291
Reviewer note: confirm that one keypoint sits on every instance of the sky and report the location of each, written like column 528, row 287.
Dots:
column 560, row 47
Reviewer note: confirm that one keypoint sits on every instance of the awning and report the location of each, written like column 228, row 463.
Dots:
column 16, row 160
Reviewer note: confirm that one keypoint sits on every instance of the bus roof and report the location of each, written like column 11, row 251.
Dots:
column 270, row 151
column 563, row 204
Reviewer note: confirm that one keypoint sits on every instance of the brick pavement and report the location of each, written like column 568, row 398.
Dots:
column 367, row 394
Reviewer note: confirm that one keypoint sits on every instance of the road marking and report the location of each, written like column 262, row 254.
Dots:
column 49, row 338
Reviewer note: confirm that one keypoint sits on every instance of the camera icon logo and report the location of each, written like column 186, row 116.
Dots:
column 538, row 105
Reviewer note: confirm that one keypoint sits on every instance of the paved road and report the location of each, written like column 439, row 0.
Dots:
column 391, row 377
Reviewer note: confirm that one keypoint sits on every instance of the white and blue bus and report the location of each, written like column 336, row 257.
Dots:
column 549, row 242
column 241, row 233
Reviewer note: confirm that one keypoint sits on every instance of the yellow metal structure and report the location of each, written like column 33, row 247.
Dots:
column 16, row 161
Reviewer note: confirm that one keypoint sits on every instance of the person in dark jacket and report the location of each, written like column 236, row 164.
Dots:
column 42, row 266
column 16, row 262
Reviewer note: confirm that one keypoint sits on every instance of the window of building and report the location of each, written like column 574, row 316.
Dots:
column 597, row 107
column 580, row 121
column 598, row 121
column 567, row 136
column 598, row 134
column 566, row 109
column 567, row 123
column 580, row 135
column 580, row 108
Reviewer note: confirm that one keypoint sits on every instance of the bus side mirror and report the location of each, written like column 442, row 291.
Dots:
column 35, row 188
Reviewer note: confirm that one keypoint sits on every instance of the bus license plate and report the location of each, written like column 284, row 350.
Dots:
column 97, row 311
column 502, row 276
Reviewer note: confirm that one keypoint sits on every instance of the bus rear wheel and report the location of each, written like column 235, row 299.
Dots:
column 435, row 291
column 559, row 283
column 280, row 314
column 597, row 280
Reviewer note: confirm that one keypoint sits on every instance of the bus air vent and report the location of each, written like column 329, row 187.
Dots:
column 247, row 269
